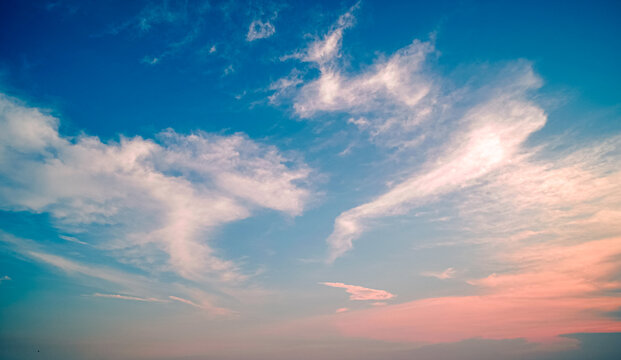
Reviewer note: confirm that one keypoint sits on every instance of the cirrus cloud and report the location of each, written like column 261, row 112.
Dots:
column 361, row 293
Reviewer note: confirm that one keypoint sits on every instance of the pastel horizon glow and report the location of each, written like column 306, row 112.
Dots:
column 327, row 180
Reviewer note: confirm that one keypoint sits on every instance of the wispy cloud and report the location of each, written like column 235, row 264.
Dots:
column 396, row 82
column 203, row 305
column 159, row 13
column 165, row 196
column 442, row 275
column 260, row 30
column 127, row 297
column 361, row 293
column 395, row 95
column 569, row 195
column 186, row 18
column 326, row 49
column 146, row 289
column 558, row 290
column 551, row 219
column 71, row 266
column 492, row 135
column 403, row 102
column 72, row 239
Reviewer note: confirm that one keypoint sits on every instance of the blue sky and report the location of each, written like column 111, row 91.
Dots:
column 193, row 179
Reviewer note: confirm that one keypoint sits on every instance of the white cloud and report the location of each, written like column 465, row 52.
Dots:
column 449, row 273
column 72, row 239
column 203, row 305
column 284, row 86
column 361, row 293
column 568, row 196
column 98, row 272
column 145, row 289
column 164, row 197
column 490, row 137
column 392, row 98
column 469, row 132
column 326, row 49
column 390, row 87
column 127, row 297
column 260, row 30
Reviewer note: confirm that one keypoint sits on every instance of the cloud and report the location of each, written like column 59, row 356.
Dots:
column 126, row 297
column 361, row 293
column 325, row 50
column 163, row 196
column 392, row 85
column 148, row 289
column 547, row 194
column 72, row 239
column 161, row 13
column 228, row 70
column 284, row 86
column 183, row 23
column 404, row 103
column 70, row 266
column 260, row 30
column 392, row 97
column 557, row 289
column 443, row 275
column 341, row 310
column 203, row 305
column 491, row 136
column 150, row 60
column 550, row 220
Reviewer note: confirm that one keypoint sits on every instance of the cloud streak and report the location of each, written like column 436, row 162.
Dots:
column 128, row 282
column 203, row 305
column 442, row 275
column 360, row 293
column 126, row 297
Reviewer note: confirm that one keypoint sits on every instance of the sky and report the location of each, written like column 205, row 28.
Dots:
column 310, row 180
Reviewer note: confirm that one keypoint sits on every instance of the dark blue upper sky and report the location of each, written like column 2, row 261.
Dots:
column 86, row 58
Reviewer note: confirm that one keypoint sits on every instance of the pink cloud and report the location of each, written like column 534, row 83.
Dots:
column 361, row 293
column 556, row 290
